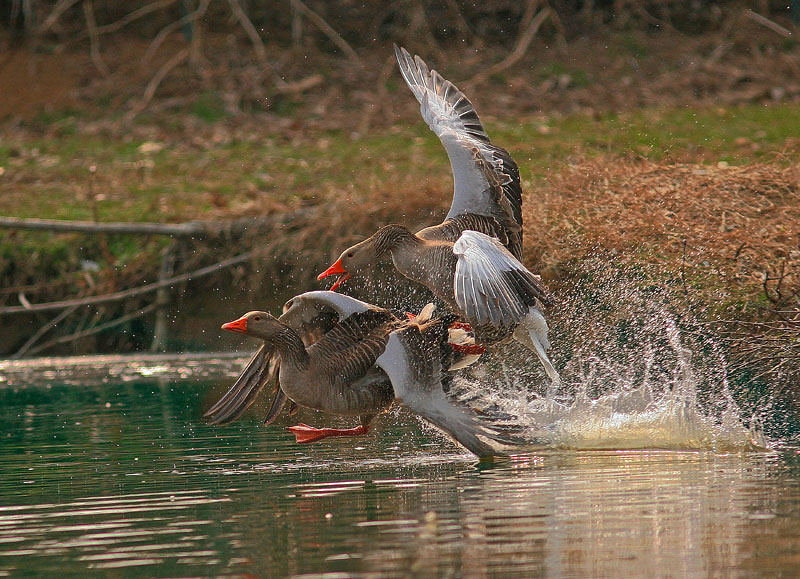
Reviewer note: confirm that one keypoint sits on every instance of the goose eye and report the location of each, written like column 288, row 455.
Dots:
column 349, row 254
column 256, row 318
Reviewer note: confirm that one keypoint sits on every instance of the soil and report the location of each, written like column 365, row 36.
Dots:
column 605, row 69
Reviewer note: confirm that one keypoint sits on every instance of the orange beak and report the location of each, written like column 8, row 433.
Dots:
column 239, row 326
column 336, row 268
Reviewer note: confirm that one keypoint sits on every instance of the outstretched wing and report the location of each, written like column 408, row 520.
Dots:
column 492, row 287
column 260, row 371
column 313, row 314
column 413, row 365
column 450, row 114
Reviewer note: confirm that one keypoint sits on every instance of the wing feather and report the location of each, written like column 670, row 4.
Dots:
column 260, row 371
column 313, row 315
column 491, row 286
column 413, row 365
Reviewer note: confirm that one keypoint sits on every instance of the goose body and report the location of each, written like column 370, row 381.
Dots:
column 471, row 260
column 336, row 354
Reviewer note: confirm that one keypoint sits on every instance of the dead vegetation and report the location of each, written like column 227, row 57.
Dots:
column 163, row 56
column 740, row 225
column 723, row 240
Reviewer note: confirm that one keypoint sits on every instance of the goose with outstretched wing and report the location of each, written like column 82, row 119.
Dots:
column 475, row 275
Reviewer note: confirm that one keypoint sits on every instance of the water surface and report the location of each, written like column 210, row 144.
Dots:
column 108, row 468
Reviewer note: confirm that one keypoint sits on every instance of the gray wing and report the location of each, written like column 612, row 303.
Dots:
column 260, row 371
column 491, row 286
column 313, row 314
column 414, row 368
column 450, row 115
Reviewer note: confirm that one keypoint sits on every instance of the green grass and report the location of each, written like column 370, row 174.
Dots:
column 51, row 178
column 734, row 135
column 209, row 107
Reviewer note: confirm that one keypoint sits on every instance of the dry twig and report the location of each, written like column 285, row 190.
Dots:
column 135, row 15
column 154, row 83
column 763, row 21
column 523, row 42
column 327, row 30
column 120, row 295
column 255, row 39
column 94, row 42
column 170, row 28
column 41, row 331
column 94, row 330
column 59, row 9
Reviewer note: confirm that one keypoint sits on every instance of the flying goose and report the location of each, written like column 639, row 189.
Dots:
column 476, row 277
column 337, row 354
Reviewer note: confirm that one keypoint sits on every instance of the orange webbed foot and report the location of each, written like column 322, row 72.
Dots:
column 304, row 433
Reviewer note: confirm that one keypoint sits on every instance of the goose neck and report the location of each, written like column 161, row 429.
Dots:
column 291, row 348
column 394, row 237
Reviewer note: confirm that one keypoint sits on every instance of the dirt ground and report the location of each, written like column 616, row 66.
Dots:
column 602, row 69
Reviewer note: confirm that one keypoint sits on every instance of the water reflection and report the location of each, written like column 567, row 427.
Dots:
column 124, row 475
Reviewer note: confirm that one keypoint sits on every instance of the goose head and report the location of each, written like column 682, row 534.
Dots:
column 366, row 254
column 354, row 258
column 256, row 324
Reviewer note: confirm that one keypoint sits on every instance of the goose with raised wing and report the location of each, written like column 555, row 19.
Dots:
column 340, row 355
column 472, row 260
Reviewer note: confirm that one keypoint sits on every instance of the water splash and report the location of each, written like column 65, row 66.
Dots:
column 639, row 372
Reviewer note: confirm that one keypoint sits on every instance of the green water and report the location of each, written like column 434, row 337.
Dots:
column 108, row 469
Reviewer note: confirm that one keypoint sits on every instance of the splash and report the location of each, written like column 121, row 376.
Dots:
column 639, row 372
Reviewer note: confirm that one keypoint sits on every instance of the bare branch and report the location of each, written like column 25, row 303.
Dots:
column 154, row 83
column 255, row 39
column 327, row 30
column 301, row 85
column 523, row 42
column 172, row 229
column 43, row 330
column 94, row 42
column 170, row 28
column 135, row 15
column 120, row 295
column 59, row 9
column 250, row 29
column 188, row 229
column 763, row 21
column 95, row 329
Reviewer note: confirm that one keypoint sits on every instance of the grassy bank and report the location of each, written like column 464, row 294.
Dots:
column 79, row 169
column 708, row 199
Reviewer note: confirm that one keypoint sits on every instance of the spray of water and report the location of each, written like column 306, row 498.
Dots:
column 639, row 371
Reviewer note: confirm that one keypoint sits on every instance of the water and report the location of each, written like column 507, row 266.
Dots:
column 109, row 469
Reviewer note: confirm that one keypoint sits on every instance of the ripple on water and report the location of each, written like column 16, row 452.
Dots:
column 108, row 532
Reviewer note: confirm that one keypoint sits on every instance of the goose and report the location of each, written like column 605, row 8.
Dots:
column 477, row 204
column 337, row 354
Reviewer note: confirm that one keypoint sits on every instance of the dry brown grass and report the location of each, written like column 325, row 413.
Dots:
column 738, row 224
column 722, row 242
